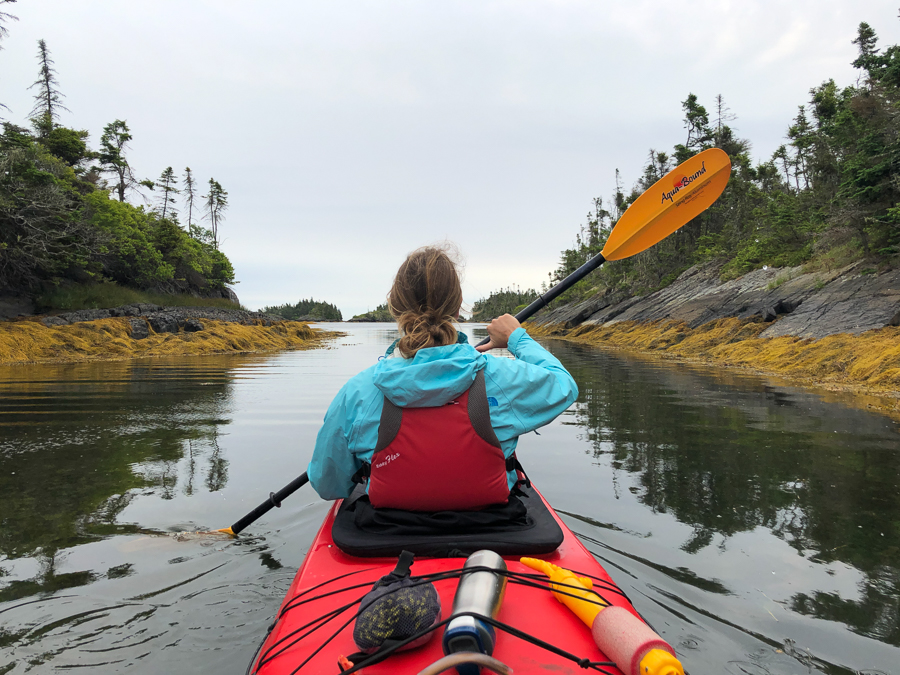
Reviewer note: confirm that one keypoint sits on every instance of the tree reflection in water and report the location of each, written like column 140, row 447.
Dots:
column 727, row 453
column 79, row 442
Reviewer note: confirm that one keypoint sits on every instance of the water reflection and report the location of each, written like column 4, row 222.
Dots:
column 727, row 454
column 78, row 443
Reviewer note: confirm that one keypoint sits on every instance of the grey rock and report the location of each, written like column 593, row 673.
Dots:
column 50, row 321
column 229, row 294
column 810, row 305
column 86, row 315
column 164, row 322
column 164, row 319
column 852, row 303
column 146, row 308
column 126, row 310
column 572, row 315
column 139, row 329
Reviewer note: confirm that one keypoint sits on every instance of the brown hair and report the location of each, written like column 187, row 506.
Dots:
column 425, row 300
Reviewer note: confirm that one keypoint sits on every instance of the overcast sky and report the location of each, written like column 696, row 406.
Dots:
column 349, row 133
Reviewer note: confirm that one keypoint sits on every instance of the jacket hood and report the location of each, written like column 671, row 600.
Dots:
column 433, row 377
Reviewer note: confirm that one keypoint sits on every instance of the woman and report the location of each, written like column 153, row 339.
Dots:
column 434, row 426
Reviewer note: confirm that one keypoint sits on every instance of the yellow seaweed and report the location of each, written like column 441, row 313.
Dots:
column 866, row 363
column 110, row 339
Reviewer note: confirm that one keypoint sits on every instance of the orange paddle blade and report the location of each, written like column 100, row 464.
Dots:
column 672, row 201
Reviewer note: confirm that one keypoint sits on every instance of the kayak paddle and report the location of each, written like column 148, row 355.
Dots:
column 671, row 202
column 275, row 499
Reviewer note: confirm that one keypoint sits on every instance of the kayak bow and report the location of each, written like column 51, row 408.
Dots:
column 313, row 630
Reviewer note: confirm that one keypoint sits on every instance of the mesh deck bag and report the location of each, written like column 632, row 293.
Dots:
column 397, row 607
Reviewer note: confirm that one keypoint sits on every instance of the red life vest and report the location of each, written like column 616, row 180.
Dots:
column 441, row 458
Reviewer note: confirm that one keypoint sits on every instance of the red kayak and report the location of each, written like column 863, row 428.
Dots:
column 330, row 579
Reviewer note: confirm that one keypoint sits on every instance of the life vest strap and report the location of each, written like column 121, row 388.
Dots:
column 513, row 464
column 362, row 474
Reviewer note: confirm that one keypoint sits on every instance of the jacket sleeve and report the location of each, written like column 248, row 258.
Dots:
column 333, row 464
column 533, row 389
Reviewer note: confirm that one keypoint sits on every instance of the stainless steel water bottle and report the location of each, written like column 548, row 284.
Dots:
column 481, row 593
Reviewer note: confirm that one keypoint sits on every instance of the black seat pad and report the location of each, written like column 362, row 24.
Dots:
column 524, row 526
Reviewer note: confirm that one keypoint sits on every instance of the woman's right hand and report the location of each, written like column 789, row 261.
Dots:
column 499, row 331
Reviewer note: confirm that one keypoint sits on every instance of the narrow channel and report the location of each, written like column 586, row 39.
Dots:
column 754, row 524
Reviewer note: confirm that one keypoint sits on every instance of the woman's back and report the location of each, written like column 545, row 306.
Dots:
column 436, row 367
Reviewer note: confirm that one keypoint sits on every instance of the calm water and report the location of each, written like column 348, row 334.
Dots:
column 756, row 526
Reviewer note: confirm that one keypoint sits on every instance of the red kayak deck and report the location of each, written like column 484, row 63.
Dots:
column 532, row 610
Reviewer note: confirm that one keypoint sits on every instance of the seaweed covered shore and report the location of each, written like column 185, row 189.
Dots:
column 868, row 363
column 835, row 329
column 137, row 331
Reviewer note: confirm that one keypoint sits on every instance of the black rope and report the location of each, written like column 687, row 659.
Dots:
column 380, row 656
column 258, row 648
column 268, row 655
column 321, row 621
column 533, row 580
column 287, row 606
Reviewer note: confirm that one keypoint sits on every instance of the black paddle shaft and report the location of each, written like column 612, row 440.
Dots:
column 275, row 499
column 564, row 285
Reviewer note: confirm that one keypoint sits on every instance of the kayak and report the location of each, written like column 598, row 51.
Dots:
column 311, row 635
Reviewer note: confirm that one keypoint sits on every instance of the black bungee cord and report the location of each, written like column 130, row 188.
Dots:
column 532, row 580
column 381, row 655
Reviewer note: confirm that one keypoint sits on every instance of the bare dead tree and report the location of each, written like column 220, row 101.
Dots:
column 48, row 100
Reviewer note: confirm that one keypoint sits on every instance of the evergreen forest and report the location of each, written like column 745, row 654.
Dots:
column 380, row 314
column 306, row 309
column 505, row 301
column 825, row 199
column 74, row 216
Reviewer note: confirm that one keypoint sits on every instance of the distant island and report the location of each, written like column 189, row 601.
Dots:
column 380, row 314
column 306, row 310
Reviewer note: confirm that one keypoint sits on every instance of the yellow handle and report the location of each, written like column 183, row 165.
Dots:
column 660, row 662
column 584, row 604
column 576, row 594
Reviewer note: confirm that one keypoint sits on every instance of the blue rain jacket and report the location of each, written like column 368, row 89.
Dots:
column 524, row 394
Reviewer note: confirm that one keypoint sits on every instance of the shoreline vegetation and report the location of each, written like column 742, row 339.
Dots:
column 820, row 218
column 110, row 339
column 380, row 314
column 66, row 224
column 866, row 365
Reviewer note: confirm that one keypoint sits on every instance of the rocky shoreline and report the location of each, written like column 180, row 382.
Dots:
column 836, row 330
column 148, row 330
column 144, row 316
column 792, row 302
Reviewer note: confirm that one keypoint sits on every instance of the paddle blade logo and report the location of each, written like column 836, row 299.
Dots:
column 683, row 193
column 680, row 182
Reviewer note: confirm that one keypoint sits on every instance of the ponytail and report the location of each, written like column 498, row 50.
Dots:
column 425, row 300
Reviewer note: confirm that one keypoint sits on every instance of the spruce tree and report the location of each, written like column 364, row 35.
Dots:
column 865, row 41
column 113, row 144
column 723, row 117
column 48, row 100
column 189, row 189
column 215, row 206
column 166, row 183
column 696, row 121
